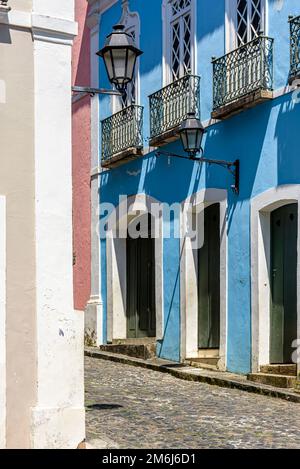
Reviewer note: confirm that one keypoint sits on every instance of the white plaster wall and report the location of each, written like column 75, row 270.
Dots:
column 58, row 418
column 2, row 323
column 55, row 8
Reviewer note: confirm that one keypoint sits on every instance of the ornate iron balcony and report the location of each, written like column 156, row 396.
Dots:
column 243, row 71
column 122, row 132
column 295, row 47
column 170, row 105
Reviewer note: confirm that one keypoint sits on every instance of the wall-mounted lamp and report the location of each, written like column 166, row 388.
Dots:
column 119, row 55
column 191, row 134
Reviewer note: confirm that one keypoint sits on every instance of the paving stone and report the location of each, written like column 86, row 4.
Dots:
column 129, row 407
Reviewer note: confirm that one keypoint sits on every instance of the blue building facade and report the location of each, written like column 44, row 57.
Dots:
column 249, row 106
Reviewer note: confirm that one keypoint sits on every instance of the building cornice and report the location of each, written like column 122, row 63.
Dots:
column 43, row 28
column 96, row 8
column 58, row 30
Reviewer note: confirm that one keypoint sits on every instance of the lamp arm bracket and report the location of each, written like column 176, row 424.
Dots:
column 233, row 167
column 93, row 91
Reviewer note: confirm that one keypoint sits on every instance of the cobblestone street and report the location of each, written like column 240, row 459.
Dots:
column 130, row 407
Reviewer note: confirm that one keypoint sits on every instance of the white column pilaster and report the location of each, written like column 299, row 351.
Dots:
column 58, row 418
column 94, row 308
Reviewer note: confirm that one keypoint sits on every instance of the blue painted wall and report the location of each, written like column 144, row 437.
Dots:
column 265, row 139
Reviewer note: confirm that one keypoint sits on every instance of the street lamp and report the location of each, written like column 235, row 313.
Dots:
column 119, row 55
column 191, row 134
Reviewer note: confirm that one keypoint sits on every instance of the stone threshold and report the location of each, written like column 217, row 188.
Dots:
column 188, row 373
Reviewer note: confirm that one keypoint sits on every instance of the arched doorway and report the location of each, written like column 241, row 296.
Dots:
column 283, row 325
column 209, row 281
column 140, row 303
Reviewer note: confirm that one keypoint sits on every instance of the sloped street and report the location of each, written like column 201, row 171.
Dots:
column 130, row 407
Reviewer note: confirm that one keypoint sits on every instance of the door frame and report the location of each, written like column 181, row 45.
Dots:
column 117, row 268
column 189, row 276
column 208, row 253
column 261, row 208
column 133, row 282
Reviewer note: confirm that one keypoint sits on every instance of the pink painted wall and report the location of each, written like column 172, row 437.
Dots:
column 81, row 162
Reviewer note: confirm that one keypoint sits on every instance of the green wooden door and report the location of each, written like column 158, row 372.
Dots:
column 209, row 281
column 283, row 283
column 140, row 287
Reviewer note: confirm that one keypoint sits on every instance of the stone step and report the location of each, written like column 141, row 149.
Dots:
column 144, row 351
column 279, row 381
column 204, row 366
column 287, row 370
column 142, row 341
column 205, row 363
column 206, row 360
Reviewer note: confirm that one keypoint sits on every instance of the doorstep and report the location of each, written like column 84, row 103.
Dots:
column 188, row 373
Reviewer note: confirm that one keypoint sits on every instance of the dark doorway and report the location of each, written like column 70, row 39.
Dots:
column 141, row 286
column 284, row 222
column 209, row 281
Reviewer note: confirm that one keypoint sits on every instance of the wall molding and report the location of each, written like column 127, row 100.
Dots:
column 43, row 27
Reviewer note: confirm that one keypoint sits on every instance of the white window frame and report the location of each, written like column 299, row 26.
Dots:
column 231, row 23
column 168, row 19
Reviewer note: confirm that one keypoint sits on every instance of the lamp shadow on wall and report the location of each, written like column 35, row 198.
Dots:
column 240, row 137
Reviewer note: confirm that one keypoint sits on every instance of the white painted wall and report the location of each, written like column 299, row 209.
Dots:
column 2, row 323
column 55, row 8
column 58, row 418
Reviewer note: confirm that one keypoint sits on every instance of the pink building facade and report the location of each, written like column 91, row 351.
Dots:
column 81, row 141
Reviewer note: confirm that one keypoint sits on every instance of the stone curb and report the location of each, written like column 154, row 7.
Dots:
column 221, row 379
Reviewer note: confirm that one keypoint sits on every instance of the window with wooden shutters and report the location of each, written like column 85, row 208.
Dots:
column 249, row 20
column 181, row 38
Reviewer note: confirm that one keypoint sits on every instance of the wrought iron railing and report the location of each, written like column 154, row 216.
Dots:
column 242, row 71
column 170, row 105
column 295, row 47
column 122, row 131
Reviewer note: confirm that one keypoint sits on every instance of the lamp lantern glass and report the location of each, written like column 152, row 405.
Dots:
column 191, row 133
column 120, row 55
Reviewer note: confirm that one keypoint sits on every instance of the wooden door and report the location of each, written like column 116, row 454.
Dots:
column 283, row 328
column 141, row 287
column 209, row 281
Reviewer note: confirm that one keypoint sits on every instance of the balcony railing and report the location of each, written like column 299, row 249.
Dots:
column 122, row 131
column 170, row 105
column 243, row 71
column 295, row 47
